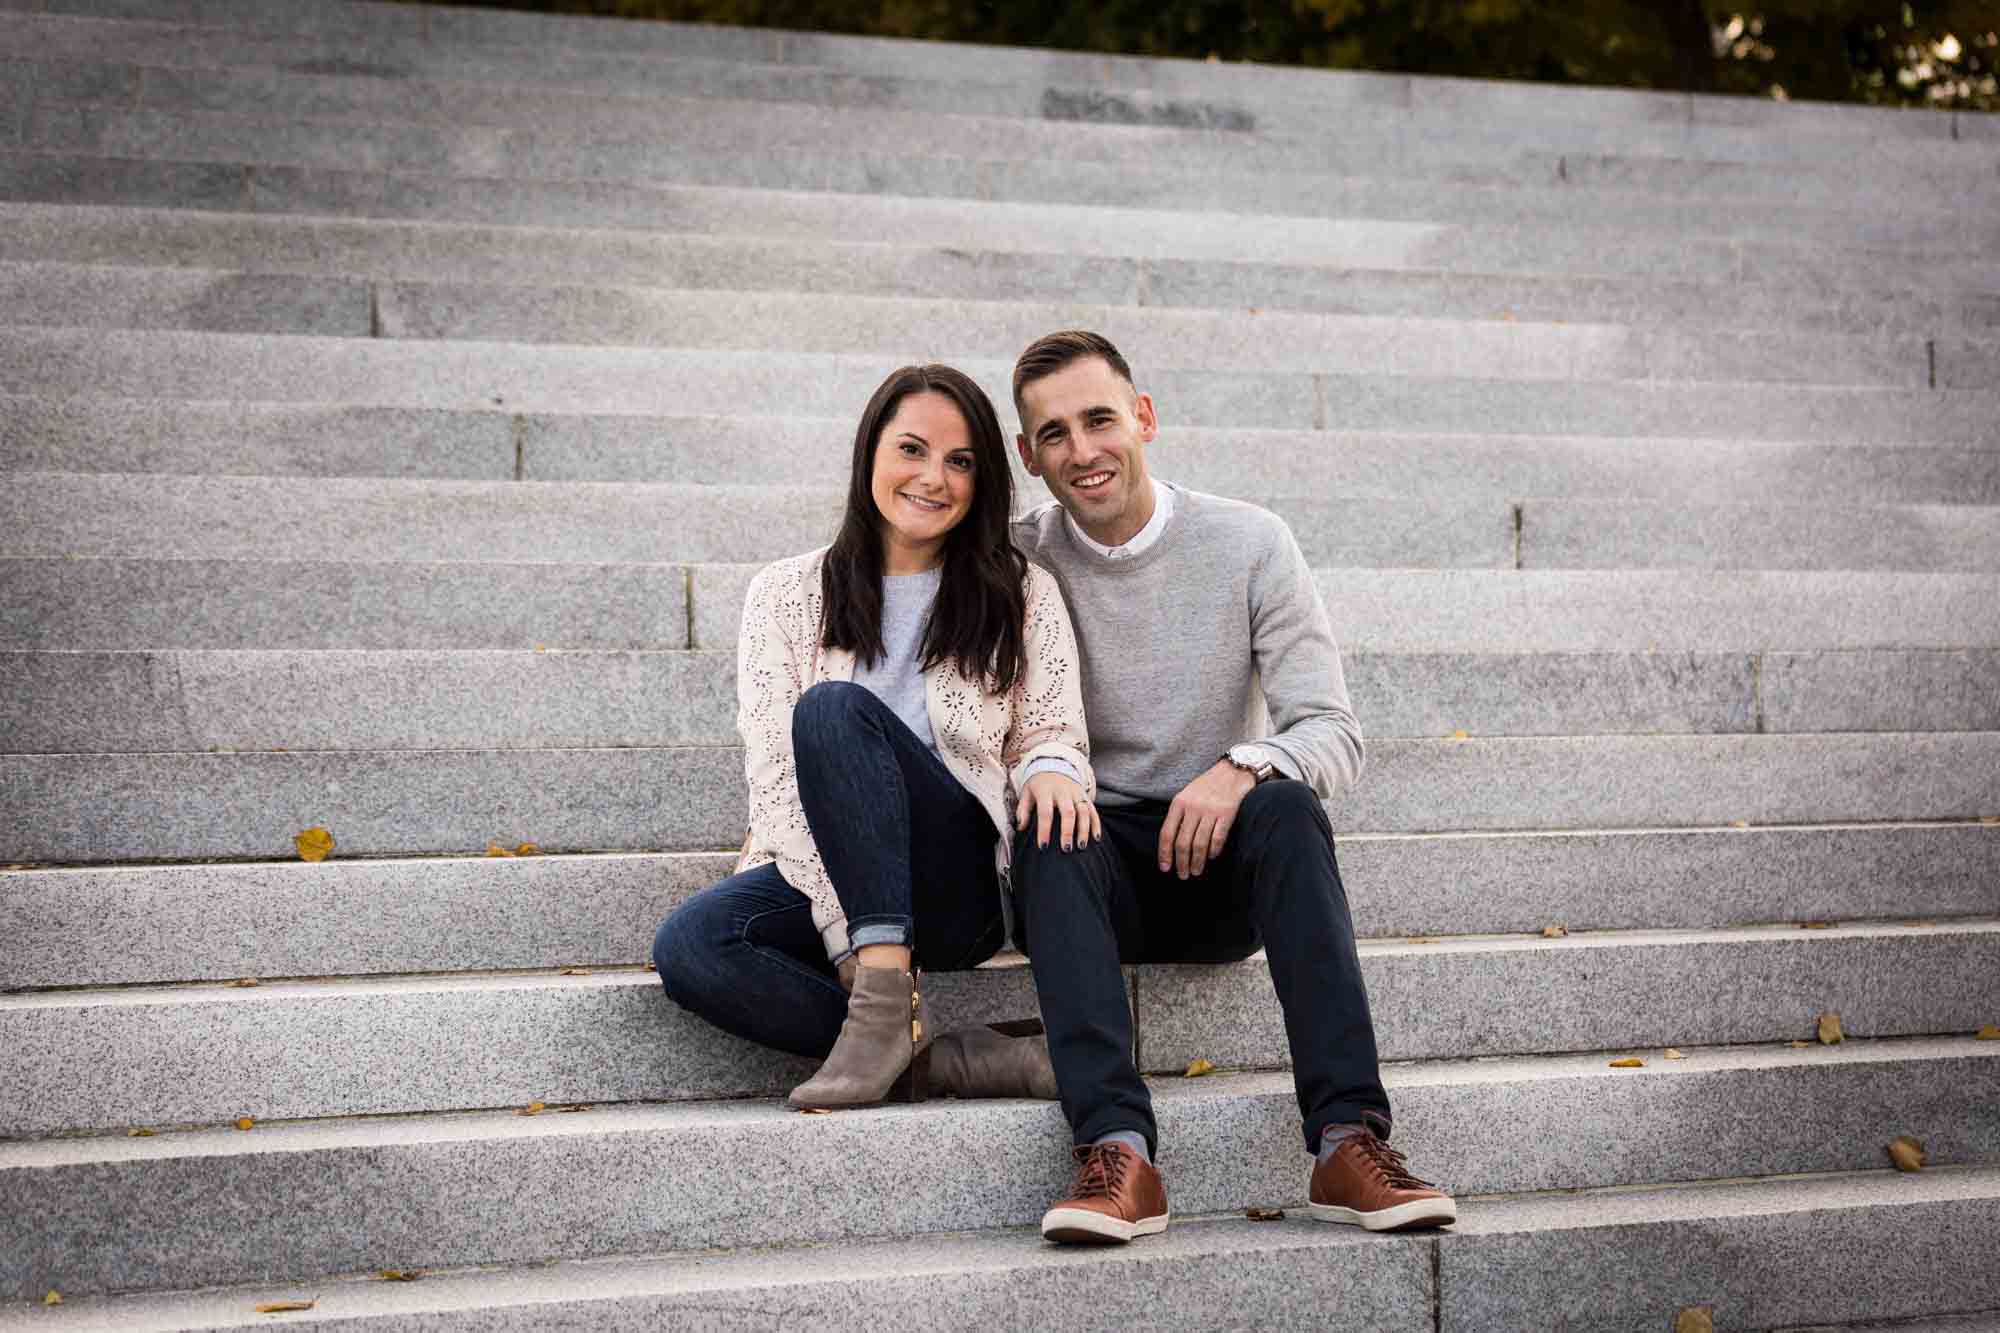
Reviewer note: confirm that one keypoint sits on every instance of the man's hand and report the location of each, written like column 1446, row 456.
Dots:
column 1198, row 821
column 1052, row 797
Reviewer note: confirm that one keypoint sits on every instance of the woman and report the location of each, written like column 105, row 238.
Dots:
column 894, row 691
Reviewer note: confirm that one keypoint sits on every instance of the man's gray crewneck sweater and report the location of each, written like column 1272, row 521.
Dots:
column 1177, row 640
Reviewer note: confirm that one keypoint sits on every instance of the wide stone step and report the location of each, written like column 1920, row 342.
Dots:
column 1505, row 1264
column 752, row 144
column 361, row 1195
column 89, row 434
column 125, row 517
column 1360, row 268
column 1253, row 341
column 556, row 379
column 88, row 808
column 453, row 914
column 73, row 604
column 1602, row 230
column 208, row 1054
column 252, row 518
column 114, row 703
column 462, row 85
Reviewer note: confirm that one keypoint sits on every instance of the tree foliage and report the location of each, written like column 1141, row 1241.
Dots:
column 1917, row 52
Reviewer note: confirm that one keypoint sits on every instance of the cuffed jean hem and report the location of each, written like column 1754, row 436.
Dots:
column 867, row 930
column 1346, row 1113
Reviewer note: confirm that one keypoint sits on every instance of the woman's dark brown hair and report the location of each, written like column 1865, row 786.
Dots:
column 975, row 623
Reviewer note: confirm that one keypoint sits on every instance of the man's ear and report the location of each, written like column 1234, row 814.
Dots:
column 1027, row 455
column 1149, row 424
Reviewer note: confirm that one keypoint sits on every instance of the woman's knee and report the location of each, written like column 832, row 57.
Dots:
column 685, row 952
column 827, row 711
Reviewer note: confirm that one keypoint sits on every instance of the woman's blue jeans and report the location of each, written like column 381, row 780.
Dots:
column 910, row 854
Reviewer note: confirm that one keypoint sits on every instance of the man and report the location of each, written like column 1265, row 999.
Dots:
column 1196, row 616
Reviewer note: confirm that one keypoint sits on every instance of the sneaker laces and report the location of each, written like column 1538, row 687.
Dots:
column 1100, row 1170
column 1391, row 1164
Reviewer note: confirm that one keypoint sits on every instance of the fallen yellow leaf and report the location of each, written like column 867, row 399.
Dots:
column 576, row 971
column 1673, row 1054
column 1988, row 1033
column 1265, row 1214
column 580, row 1106
column 1197, row 1068
column 1695, row 1319
column 527, row 849
column 1829, row 1029
column 1629, row 1062
column 313, row 844
column 1423, row 939
column 1799, row 1045
column 53, row 1298
column 1907, row 1153
column 814, row 1110
column 1739, row 823
column 1460, row 736
column 244, row 1122
column 495, row 849
column 1989, row 819
column 1554, row 932
column 140, row 1132
column 651, row 968
column 533, row 1108
column 278, row 1307
column 242, row 982
column 399, row 1275
column 1815, row 925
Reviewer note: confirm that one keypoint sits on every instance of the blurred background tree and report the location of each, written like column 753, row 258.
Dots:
column 1939, row 53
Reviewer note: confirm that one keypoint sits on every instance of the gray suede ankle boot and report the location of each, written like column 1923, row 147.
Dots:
column 986, row 1062
column 883, row 1052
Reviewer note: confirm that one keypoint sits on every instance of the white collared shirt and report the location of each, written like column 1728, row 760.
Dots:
column 1163, row 509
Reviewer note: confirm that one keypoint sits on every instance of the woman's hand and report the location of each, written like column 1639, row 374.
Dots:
column 1052, row 796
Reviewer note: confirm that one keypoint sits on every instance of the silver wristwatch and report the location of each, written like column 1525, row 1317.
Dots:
column 1252, row 761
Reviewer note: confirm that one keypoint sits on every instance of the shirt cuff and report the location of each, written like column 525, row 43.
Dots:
column 1049, row 763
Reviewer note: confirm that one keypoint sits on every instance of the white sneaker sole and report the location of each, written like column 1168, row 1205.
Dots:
column 1419, row 1213
column 1082, row 1226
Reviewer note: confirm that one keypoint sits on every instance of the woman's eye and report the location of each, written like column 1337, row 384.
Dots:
column 912, row 450
column 961, row 462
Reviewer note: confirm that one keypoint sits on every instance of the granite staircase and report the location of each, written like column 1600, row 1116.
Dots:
column 394, row 402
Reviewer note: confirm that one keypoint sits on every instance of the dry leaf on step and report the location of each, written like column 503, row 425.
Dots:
column 1815, row 925
column 1554, row 932
column 313, row 844
column 1799, row 1045
column 1907, row 1153
column 1829, row 1029
column 1197, row 1068
column 1265, row 1214
column 1460, row 736
column 1739, row 823
column 399, row 1275
column 1629, row 1062
column 53, row 1298
column 814, row 1110
column 1695, row 1319
column 533, row 1108
column 1423, row 939
column 576, row 971
column 580, row 1106
column 244, row 1122
column 279, row 1307
column 495, row 849
column 527, row 849
column 1989, row 1033
column 242, row 982
column 140, row 1133
column 1673, row 1054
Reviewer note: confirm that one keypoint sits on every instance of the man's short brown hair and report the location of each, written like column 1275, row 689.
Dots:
column 1051, row 352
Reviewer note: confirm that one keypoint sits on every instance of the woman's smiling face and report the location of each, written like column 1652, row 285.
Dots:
column 922, row 480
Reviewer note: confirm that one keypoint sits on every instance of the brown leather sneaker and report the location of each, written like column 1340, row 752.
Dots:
column 1117, row 1195
column 1365, row 1184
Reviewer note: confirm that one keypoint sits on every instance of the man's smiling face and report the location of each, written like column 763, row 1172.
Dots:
column 1086, row 432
